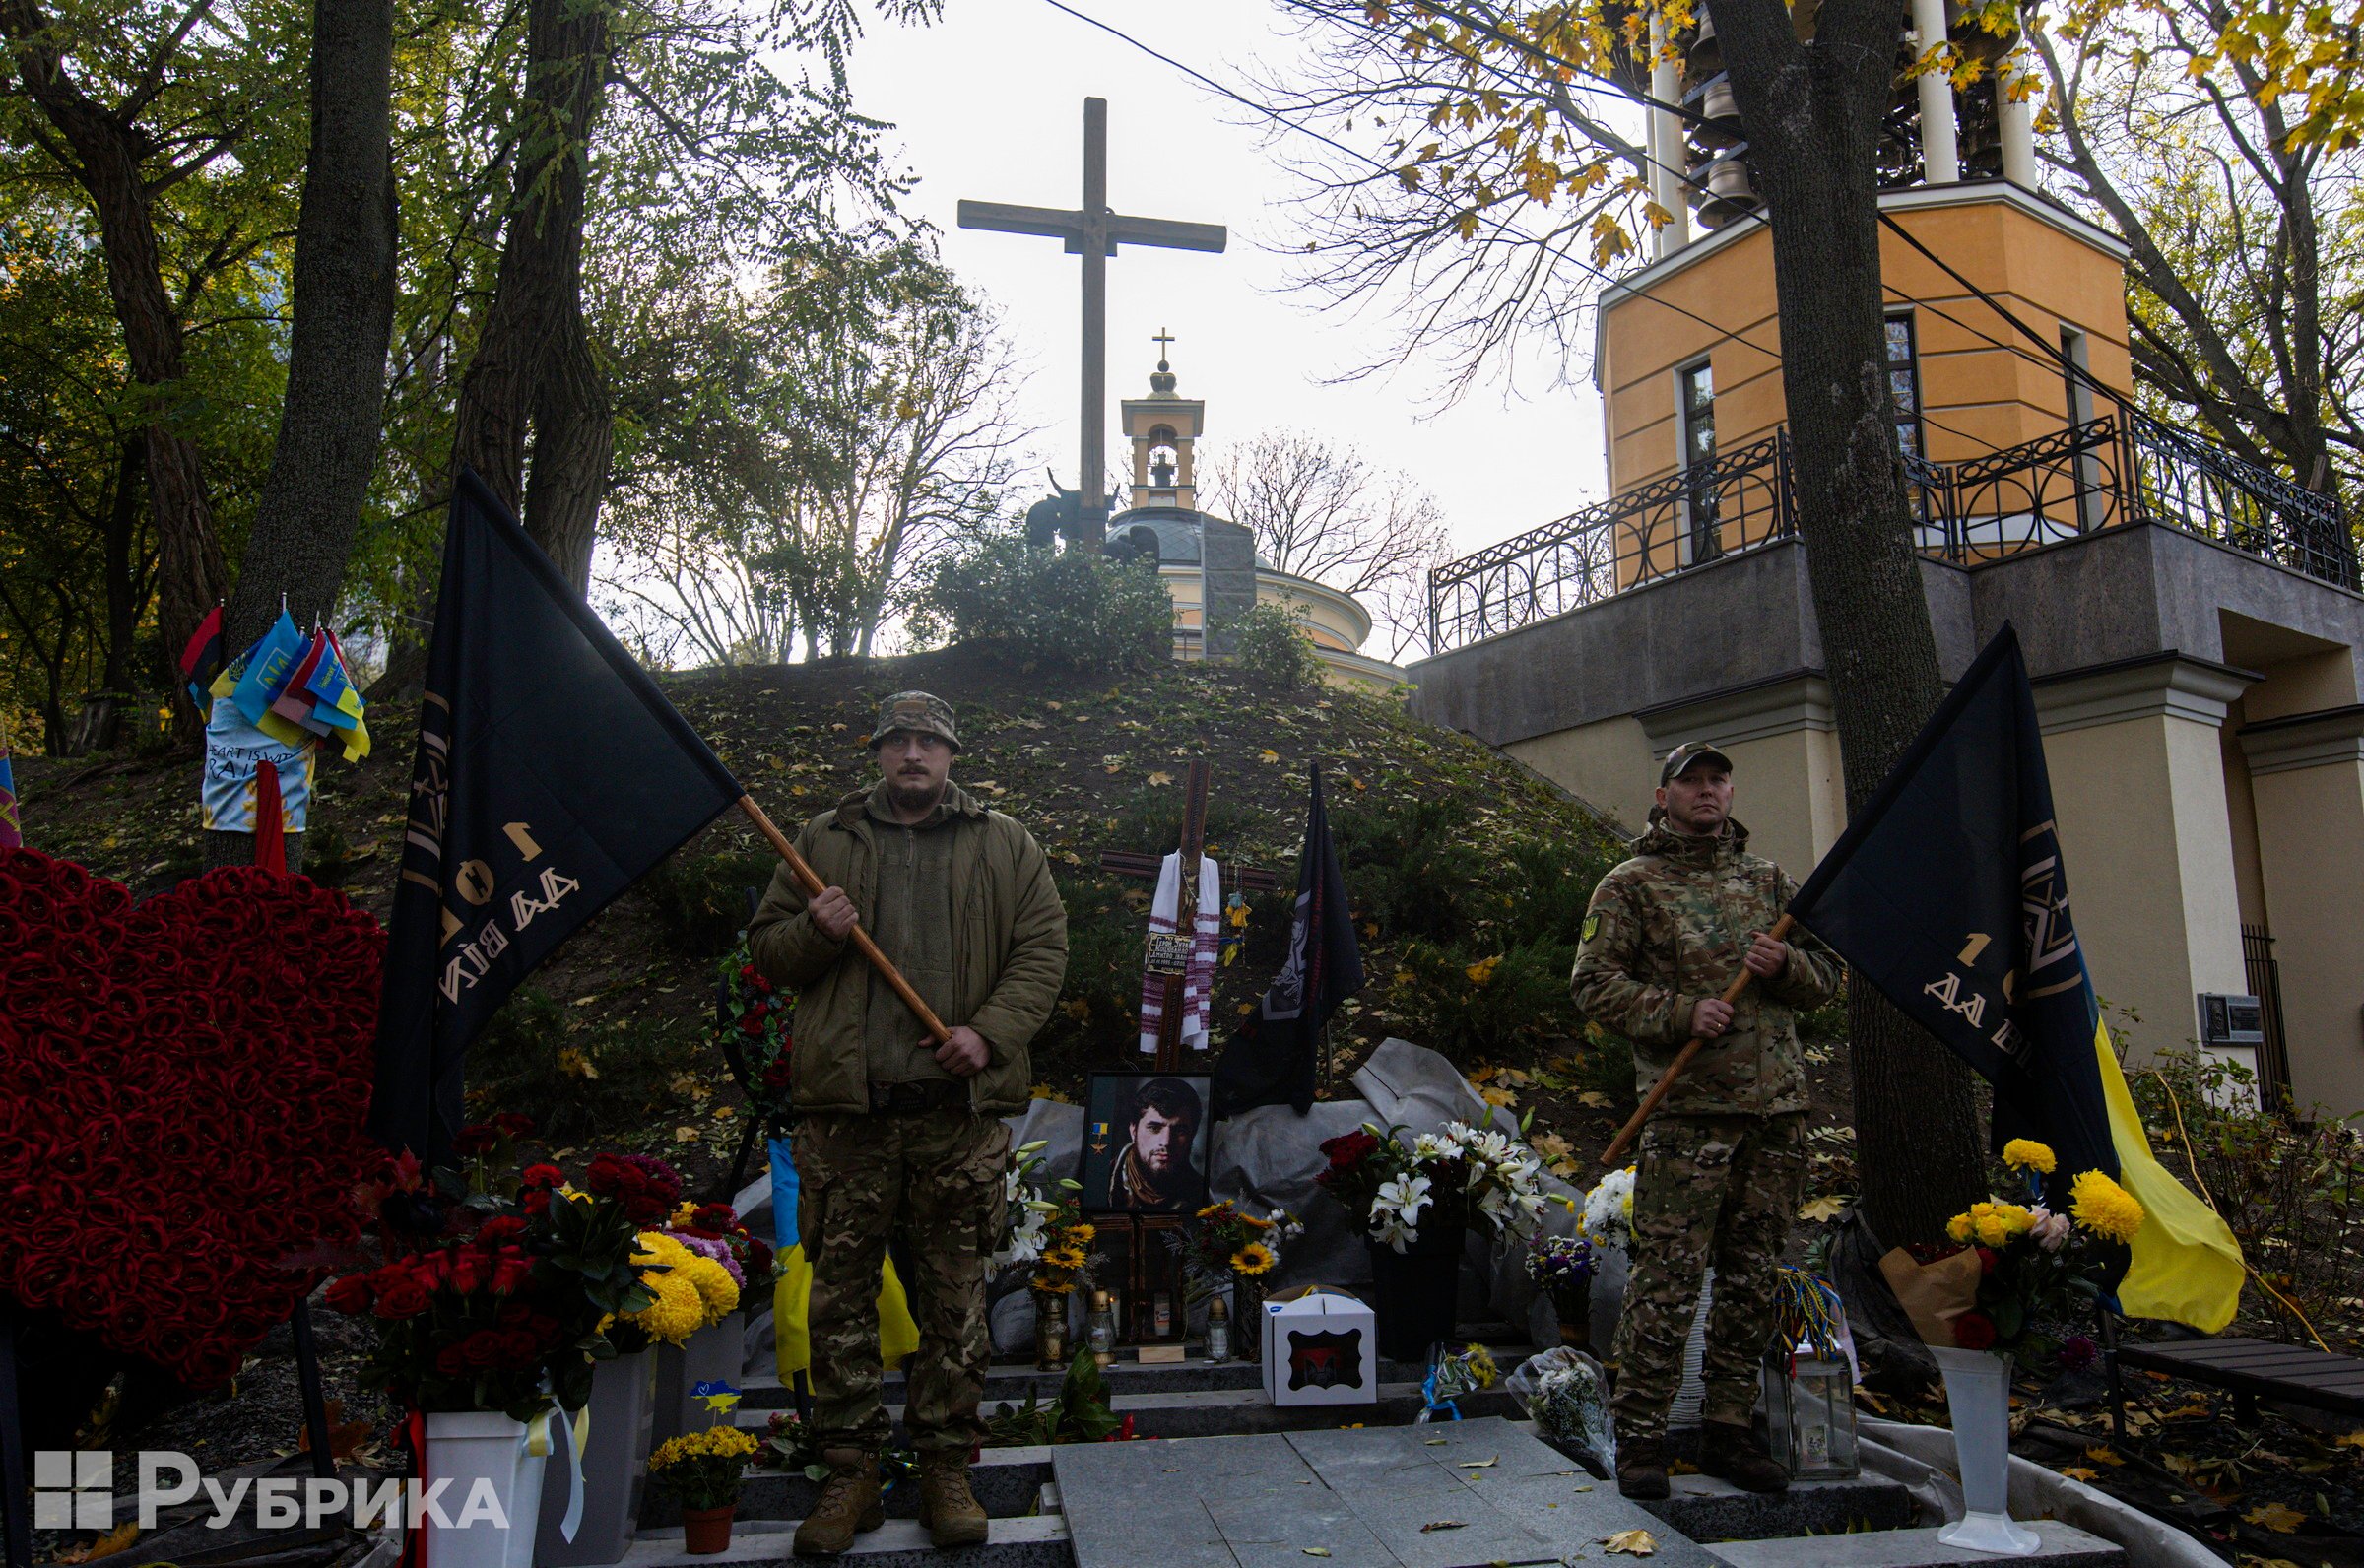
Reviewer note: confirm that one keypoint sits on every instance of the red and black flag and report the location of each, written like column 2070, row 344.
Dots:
column 1272, row 1061
column 1949, row 892
column 550, row 775
column 203, row 658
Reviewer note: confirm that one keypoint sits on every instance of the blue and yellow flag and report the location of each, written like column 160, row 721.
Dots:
column 791, row 1297
column 268, row 665
column 1949, row 892
column 12, row 832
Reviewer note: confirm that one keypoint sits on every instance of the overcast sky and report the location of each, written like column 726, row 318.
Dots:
column 988, row 105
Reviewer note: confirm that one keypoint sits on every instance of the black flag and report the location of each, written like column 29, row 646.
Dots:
column 551, row 774
column 1947, row 892
column 1271, row 1060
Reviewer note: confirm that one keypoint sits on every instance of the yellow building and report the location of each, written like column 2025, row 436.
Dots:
column 1202, row 558
column 2193, row 625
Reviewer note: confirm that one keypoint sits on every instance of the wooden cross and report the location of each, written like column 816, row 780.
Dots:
column 1093, row 233
column 1131, row 862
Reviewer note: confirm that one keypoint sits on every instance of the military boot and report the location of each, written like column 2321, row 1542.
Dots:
column 947, row 1507
column 849, row 1504
column 1735, row 1453
column 1642, row 1469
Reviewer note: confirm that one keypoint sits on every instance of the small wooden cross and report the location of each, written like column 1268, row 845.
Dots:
column 1133, row 863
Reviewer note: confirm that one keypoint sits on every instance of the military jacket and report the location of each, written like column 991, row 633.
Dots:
column 1670, row 928
column 1009, row 953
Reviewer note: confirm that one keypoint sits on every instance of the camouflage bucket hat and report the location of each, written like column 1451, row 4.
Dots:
column 1691, row 752
column 917, row 711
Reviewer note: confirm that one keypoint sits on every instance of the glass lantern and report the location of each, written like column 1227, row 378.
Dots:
column 1810, row 1401
column 1099, row 1329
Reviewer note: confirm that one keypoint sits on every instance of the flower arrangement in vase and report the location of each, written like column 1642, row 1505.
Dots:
column 1063, row 1264
column 703, row 1470
column 713, row 1230
column 1457, row 1176
column 1562, row 1267
column 1236, row 1251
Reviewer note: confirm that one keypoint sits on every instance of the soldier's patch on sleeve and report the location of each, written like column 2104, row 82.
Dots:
column 1592, row 924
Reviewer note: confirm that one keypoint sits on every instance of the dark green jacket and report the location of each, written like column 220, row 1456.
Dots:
column 1669, row 928
column 1009, row 953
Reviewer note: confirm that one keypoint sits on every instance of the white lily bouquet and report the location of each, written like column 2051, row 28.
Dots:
column 1028, row 1216
column 1459, row 1175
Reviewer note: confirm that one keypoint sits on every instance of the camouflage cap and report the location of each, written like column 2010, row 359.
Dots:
column 1687, row 753
column 917, row 711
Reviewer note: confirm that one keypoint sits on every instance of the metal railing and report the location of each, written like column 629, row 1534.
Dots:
column 2118, row 468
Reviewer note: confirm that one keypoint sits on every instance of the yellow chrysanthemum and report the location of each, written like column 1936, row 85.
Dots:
column 1253, row 1259
column 2025, row 1153
column 715, row 1442
column 2104, row 1207
column 715, row 1285
column 678, row 1311
column 1481, row 1363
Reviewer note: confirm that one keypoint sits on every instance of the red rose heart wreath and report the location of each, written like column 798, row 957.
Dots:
column 186, row 1081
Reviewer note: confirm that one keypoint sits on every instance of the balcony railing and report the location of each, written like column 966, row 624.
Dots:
column 2118, row 468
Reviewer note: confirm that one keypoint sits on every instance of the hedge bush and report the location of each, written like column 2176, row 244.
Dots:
column 1070, row 610
column 1272, row 644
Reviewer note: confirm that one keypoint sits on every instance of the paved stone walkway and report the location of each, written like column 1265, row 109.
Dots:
column 1458, row 1494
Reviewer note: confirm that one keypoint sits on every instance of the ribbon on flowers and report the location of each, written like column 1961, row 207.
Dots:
column 577, row 1428
column 413, row 1436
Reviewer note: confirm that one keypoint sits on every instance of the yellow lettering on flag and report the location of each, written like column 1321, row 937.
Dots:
column 2186, row 1266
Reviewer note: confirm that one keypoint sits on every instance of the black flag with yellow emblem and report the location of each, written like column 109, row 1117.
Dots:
column 550, row 775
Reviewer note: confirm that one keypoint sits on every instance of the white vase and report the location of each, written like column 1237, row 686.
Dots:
column 493, row 1499
column 714, row 1355
column 614, row 1429
column 1978, row 1395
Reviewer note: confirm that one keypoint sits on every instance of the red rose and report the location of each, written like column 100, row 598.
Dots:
column 752, row 1021
column 1986, row 1261
column 519, row 1347
column 500, row 1230
column 405, row 1298
column 485, row 1348
column 450, row 1362
column 536, row 1201
column 511, row 1273
column 466, row 1271
column 514, row 1124
column 351, row 1294
column 1974, row 1331
column 476, row 1138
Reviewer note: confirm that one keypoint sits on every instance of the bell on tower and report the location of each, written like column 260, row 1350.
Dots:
column 1163, row 428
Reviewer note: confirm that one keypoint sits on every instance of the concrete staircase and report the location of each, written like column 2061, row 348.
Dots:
column 1227, row 1441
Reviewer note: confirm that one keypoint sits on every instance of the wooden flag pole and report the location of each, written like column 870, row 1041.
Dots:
column 1665, row 1081
column 813, row 887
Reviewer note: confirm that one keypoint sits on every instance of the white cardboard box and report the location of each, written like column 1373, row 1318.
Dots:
column 1320, row 1348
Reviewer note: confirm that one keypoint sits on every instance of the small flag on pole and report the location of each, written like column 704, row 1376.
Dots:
column 11, row 830
column 1949, row 892
column 201, row 660
column 550, row 775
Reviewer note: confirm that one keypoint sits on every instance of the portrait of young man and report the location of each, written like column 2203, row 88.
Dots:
column 1146, row 1152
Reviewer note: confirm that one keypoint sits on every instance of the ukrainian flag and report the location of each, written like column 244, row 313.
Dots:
column 791, row 1296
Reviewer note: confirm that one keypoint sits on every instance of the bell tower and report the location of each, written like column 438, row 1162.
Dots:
column 1163, row 429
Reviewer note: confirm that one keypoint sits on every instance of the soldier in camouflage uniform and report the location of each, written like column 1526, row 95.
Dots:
column 1722, row 1160
column 895, row 1134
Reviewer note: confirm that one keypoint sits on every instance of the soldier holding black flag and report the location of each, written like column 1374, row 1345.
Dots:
column 897, row 1128
column 1722, row 1161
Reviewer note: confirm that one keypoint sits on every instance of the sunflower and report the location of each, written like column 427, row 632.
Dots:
column 1080, row 1235
column 1052, row 1287
column 1212, row 1209
column 1253, row 1259
column 2025, row 1153
column 1254, row 1224
column 2104, row 1207
column 1064, row 1258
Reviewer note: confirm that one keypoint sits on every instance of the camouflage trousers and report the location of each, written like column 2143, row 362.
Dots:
column 1715, row 1190
column 934, row 1179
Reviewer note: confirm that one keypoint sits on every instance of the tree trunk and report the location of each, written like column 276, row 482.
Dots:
column 1812, row 113
column 574, row 435
column 344, row 309
column 109, row 156
column 124, row 600
column 312, row 502
column 566, row 80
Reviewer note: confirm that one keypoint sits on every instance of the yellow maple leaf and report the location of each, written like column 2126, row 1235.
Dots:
column 2280, row 1518
column 2103, row 1456
column 2078, row 1472
column 1269, row 755
column 1161, row 778
column 574, row 1064
column 1819, row 1210
column 1482, row 971
column 1592, row 1099
column 1631, row 1544
column 686, row 1135
column 2354, row 1439
column 106, row 1545
column 1501, row 1097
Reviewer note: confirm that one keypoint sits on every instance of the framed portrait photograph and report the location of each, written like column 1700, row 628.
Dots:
column 1145, row 1138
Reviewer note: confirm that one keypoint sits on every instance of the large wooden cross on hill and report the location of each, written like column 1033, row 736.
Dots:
column 1093, row 233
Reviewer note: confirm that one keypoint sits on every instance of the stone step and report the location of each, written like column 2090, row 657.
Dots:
column 1232, row 1412
column 1039, row 1542
column 1008, row 1481
column 1013, row 1380
column 2065, row 1546
column 1708, row 1510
